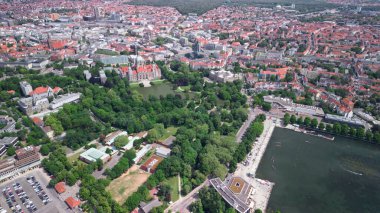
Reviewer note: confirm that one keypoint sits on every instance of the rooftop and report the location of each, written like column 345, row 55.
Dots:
column 72, row 202
column 60, row 187
column 93, row 154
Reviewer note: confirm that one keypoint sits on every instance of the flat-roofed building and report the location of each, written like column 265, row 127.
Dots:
column 113, row 60
column 87, row 75
column 168, row 142
column 223, row 76
column 27, row 155
column 9, row 122
column 110, row 138
column 147, row 207
column 26, row 158
column 151, row 164
column 163, row 152
column 102, row 76
column 92, row 155
column 145, row 149
column 288, row 105
column 229, row 193
column 30, row 105
column 341, row 119
column 64, row 99
column 6, row 164
column 7, row 142
column 26, row 88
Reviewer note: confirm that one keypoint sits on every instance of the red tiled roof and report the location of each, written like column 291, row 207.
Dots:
column 72, row 203
column 39, row 90
column 60, row 187
column 59, row 44
column 56, row 89
column 146, row 68
column 124, row 69
column 37, row 121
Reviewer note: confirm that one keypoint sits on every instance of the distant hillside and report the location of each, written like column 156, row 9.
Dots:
column 202, row 6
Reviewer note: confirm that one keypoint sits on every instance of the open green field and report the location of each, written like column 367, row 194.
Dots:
column 74, row 157
column 128, row 183
column 201, row 6
column 173, row 183
column 169, row 132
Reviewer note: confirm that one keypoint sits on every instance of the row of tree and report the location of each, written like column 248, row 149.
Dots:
column 125, row 162
column 336, row 128
column 253, row 131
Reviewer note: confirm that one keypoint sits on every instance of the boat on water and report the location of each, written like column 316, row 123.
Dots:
column 331, row 138
column 352, row 172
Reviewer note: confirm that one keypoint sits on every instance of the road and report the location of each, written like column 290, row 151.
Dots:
column 109, row 165
column 246, row 124
column 256, row 153
column 183, row 203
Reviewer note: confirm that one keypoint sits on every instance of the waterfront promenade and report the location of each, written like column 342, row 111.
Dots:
column 247, row 169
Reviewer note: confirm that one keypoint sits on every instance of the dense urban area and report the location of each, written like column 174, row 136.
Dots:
column 168, row 106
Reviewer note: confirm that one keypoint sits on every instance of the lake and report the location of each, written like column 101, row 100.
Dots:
column 312, row 174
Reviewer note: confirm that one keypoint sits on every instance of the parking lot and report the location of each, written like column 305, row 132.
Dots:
column 27, row 194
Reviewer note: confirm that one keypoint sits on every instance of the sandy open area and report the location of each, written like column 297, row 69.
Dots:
column 122, row 187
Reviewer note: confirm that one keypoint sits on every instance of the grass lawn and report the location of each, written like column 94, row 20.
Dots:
column 183, row 88
column 173, row 182
column 158, row 81
column 134, row 85
column 169, row 132
column 122, row 187
column 74, row 157
column 106, row 52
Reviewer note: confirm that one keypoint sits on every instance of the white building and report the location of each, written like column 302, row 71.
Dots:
column 30, row 105
column 64, row 99
column 92, row 155
column 163, row 152
column 26, row 88
column 145, row 149
column 288, row 105
column 111, row 137
column 223, row 76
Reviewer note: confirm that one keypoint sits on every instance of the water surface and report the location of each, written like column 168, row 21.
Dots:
column 313, row 174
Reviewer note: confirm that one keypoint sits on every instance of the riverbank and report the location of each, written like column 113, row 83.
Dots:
column 297, row 129
column 247, row 170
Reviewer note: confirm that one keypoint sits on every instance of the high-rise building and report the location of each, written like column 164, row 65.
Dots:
column 99, row 13
column 26, row 88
